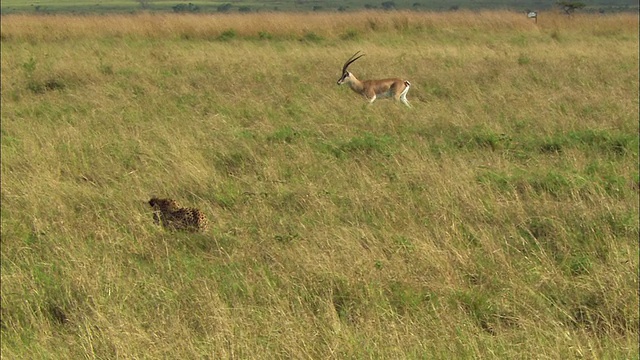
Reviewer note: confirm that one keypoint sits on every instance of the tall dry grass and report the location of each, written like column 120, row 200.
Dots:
column 163, row 26
column 497, row 218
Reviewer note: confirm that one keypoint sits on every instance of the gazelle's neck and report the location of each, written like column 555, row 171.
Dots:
column 355, row 84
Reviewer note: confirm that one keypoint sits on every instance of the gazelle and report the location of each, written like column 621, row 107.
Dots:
column 373, row 89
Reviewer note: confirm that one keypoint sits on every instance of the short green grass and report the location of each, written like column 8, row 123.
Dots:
column 497, row 218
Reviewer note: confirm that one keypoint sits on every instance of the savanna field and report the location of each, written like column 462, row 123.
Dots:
column 496, row 218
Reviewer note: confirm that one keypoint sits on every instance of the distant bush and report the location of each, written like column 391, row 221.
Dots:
column 388, row 5
column 350, row 34
column 224, row 7
column 311, row 37
column 227, row 35
column 181, row 8
column 264, row 35
column 570, row 6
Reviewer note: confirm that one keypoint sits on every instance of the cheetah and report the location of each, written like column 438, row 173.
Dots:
column 172, row 216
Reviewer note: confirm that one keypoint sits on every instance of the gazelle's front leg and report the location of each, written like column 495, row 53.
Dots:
column 370, row 95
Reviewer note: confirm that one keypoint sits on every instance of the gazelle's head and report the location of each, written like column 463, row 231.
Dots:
column 345, row 74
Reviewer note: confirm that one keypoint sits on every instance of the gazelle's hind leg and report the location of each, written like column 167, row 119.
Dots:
column 403, row 95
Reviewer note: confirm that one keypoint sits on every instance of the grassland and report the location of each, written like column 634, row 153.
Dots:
column 497, row 218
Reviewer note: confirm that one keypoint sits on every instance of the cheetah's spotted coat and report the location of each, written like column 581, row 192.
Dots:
column 169, row 214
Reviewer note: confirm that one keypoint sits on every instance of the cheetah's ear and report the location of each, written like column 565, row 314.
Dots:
column 153, row 200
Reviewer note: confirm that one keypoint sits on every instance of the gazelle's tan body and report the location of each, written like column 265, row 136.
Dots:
column 395, row 88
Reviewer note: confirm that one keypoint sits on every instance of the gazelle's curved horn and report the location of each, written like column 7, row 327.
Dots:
column 351, row 59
